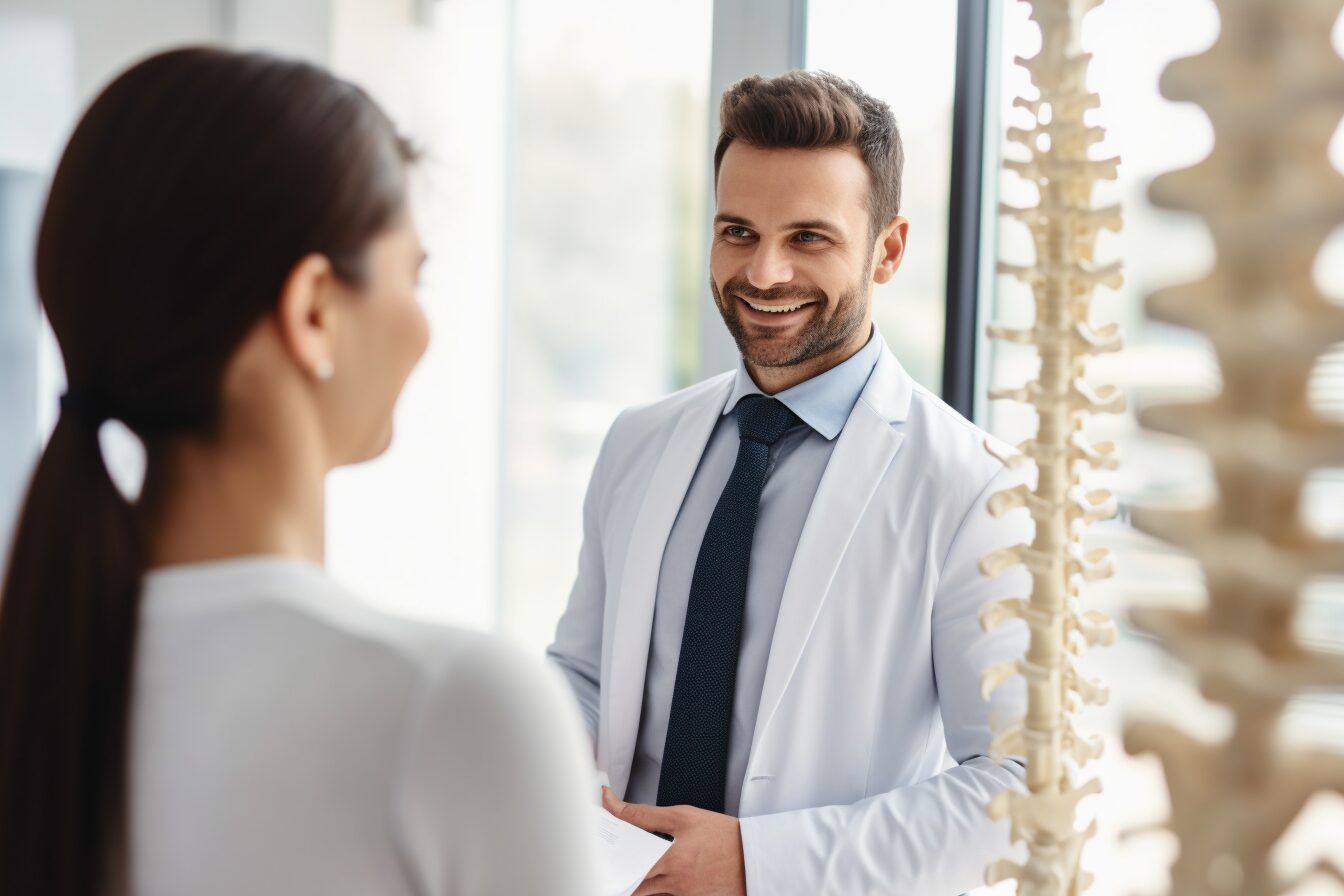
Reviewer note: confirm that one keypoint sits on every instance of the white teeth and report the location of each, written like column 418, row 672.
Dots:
column 777, row 309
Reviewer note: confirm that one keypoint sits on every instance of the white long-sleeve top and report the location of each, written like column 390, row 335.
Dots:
column 287, row 739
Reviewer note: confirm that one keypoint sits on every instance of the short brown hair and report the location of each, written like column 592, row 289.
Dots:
column 816, row 110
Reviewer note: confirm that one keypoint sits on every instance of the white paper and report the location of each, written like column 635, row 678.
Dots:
column 625, row 853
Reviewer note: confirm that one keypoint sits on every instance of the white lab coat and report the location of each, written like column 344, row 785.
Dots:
column 869, row 768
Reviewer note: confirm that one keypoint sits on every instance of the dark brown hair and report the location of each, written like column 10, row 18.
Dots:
column 817, row 110
column 187, row 193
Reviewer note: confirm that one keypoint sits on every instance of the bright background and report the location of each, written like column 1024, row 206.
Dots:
column 565, row 202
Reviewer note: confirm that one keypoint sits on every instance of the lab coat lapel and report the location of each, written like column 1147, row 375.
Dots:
column 639, row 581
column 860, row 459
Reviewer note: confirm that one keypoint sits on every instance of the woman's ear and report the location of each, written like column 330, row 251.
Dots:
column 890, row 250
column 306, row 314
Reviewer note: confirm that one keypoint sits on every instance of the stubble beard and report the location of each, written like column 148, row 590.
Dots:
column 822, row 334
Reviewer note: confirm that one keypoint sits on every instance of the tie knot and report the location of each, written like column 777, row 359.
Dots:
column 764, row 420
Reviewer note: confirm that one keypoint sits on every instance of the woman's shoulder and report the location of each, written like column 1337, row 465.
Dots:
column 302, row 612
column 450, row 662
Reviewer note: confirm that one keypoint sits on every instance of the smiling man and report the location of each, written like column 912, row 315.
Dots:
column 773, row 635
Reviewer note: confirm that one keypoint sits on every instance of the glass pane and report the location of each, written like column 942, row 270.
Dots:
column 609, row 160
column 904, row 53
column 416, row 531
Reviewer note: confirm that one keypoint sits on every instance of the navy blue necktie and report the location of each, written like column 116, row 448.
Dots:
column 695, row 753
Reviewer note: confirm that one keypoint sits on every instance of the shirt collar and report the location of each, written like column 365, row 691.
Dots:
column 825, row 401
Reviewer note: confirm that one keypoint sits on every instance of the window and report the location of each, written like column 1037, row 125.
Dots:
column 562, row 203
column 416, row 531
column 904, row 53
column 608, row 160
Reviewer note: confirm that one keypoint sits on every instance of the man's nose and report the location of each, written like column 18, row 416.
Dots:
column 769, row 267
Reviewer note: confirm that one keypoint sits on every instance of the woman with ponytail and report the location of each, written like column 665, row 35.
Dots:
column 188, row 704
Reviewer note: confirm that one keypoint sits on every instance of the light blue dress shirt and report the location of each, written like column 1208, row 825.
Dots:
column 797, row 462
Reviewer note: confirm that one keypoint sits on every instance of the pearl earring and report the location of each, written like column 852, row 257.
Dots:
column 324, row 369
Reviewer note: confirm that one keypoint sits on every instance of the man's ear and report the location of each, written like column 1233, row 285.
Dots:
column 890, row 250
column 306, row 315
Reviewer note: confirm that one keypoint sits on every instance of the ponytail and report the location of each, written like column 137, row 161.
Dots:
column 68, row 617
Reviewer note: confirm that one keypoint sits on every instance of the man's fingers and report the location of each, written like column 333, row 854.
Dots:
column 654, row 819
column 657, row 882
column 652, row 887
column 663, row 867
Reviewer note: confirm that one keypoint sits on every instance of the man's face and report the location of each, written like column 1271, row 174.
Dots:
column 792, row 261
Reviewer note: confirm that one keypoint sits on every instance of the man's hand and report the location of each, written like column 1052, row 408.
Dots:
column 705, row 860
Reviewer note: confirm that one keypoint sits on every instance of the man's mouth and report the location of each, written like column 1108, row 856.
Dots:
column 775, row 309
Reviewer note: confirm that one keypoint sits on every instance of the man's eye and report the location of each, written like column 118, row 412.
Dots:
column 737, row 232
column 803, row 237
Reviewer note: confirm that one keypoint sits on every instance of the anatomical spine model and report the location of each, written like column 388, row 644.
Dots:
column 1064, row 224
column 1273, row 88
